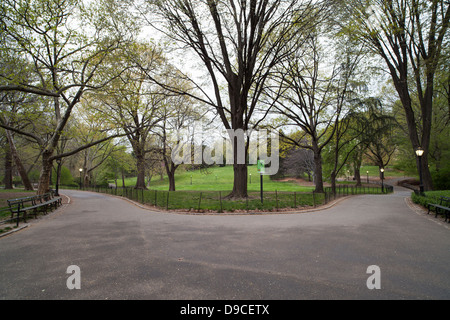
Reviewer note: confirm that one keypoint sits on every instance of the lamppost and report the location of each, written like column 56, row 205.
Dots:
column 367, row 176
column 250, row 178
column 81, row 171
column 382, row 180
column 58, row 176
column 191, row 179
column 419, row 154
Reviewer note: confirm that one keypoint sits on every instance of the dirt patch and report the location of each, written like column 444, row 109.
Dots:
column 300, row 181
column 12, row 195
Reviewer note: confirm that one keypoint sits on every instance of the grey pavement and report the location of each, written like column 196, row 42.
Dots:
column 125, row 252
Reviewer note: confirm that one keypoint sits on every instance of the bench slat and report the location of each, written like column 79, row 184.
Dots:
column 444, row 205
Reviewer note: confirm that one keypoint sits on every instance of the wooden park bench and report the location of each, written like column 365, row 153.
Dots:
column 33, row 204
column 443, row 207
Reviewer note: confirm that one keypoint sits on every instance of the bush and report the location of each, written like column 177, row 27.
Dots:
column 441, row 179
column 66, row 177
column 430, row 197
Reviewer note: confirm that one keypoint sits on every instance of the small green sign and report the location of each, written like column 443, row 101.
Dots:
column 261, row 166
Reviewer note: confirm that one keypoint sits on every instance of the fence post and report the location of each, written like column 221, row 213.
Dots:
column 220, row 199
column 276, row 198
column 167, row 204
column 295, row 199
column 314, row 198
column 200, row 201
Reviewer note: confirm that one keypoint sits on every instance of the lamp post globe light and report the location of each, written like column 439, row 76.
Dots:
column 58, row 176
column 419, row 154
column 367, row 176
column 81, row 171
column 382, row 179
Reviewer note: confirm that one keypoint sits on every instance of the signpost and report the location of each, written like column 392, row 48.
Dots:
column 261, row 170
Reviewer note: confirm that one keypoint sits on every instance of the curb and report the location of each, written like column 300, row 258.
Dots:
column 157, row 210
column 23, row 226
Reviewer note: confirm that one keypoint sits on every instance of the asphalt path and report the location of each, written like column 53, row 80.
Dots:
column 125, row 252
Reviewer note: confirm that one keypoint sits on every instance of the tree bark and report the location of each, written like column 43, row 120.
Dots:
column 240, row 181
column 357, row 169
column 140, row 163
column 8, row 180
column 47, row 166
column 358, row 176
column 318, row 168
column 171, row 175
column 333, row 182
column 19, row 165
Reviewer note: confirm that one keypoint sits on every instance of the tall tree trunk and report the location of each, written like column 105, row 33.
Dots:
column 424, row 143
column 8, row 180
column 318, row 168
column 357, row 168
column 240, row 170
column 240, row 181
column 333, row 182
column 19, row 165
column 140, row 163
column 358, row 175
column 171, row 175
column 47, row 166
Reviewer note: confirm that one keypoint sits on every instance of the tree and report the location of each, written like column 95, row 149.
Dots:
column 8, row 162
column 409, row 36
column 118, row 162
column 239, row 43
column 299, row 162
column 62, row 59
column 174, row 121
column 10, row 106
column 311, row 100
column 131, row 101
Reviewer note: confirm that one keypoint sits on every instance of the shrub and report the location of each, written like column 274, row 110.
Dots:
column 429, row 197
column 441, row 179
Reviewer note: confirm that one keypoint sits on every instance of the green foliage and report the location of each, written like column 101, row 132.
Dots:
column 441, row 179
column 66, row 177
column 219, row 179
column 430, row 197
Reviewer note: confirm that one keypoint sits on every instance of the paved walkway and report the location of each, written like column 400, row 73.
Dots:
column 126, row 252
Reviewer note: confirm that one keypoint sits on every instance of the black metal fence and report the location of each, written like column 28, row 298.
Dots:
column 218, row 201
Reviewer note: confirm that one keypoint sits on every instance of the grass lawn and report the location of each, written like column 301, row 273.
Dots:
column 200, row 190
column 374, row 171
column 220, row 179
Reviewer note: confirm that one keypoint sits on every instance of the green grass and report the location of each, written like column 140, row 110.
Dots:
column 216, row 200
column 374, row 171
column 429, row 197
column 207, row 191
column 219, row 179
